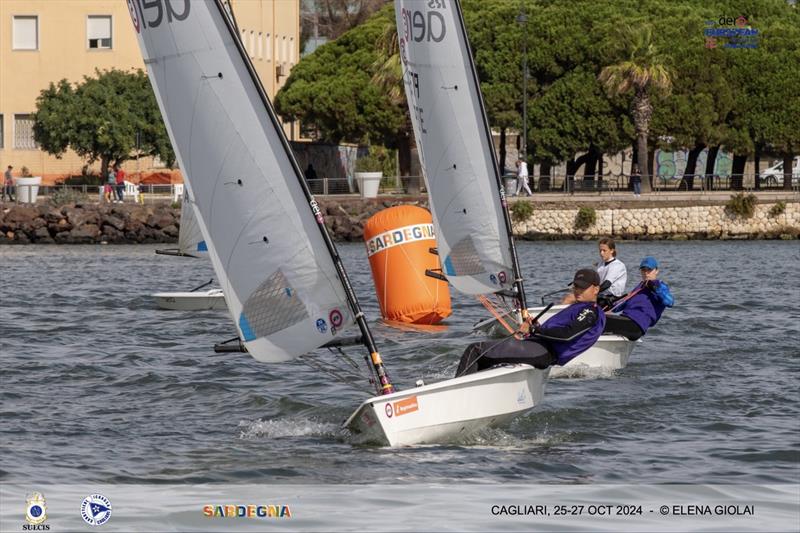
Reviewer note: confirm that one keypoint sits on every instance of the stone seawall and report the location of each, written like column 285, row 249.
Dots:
column 698, row 222
column 159, row 223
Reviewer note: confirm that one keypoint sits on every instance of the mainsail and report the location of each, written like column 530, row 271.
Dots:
column 455, row 147
column 262, row 230
column 190, row 237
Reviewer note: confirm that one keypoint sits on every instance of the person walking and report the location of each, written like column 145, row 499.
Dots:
column 522, row 178
column 108, row 188
column 642, row 308
column 8, row 183
column 120, row 179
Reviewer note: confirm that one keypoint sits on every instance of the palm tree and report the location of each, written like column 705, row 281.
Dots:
column 645, row 73
column 388, row 75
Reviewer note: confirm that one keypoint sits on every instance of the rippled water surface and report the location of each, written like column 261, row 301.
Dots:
column 99, row 385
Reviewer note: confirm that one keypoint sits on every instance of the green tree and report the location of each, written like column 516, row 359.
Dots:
column 100, row 119
column 645, row 73
column 333, row 89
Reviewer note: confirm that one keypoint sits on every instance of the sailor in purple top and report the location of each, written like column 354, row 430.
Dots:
column 643, row 306
column 563, row 337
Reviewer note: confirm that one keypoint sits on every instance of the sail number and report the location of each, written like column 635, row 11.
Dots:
column 428, row 26
column 153, row 12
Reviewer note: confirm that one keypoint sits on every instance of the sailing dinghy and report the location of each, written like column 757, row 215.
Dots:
column 467, row 199
column 285, row 285
column 190, row 244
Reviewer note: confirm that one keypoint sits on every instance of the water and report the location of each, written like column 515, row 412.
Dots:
column 101, row 387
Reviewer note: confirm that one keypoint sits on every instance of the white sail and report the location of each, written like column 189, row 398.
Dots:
column 190, row 237
column 454, row 146
column 279, row 279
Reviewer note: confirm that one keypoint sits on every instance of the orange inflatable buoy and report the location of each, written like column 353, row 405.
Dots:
column 398, row 242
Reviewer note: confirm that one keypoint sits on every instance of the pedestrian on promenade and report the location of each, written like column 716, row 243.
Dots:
column 108, row 188
column 522, row 178
column 8, row 183
column 120, row 178
column 636, row 180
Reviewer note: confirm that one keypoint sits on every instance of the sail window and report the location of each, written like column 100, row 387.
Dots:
column 463, row 259
column 98, row 31
column 26, row 32
column 273, row 307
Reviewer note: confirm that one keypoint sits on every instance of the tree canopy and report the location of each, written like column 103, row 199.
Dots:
column 744, row 98
column 101, row 117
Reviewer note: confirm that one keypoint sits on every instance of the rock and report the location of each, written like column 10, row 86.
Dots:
column 116, row 222
column 86, row 233
column 171, row 231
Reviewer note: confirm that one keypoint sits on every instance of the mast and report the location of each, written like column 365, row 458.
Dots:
column 383, row 384
column 518, row 283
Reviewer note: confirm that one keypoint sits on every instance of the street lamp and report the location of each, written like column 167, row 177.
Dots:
column 522, row 19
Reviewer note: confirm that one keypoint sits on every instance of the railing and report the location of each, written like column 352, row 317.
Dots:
column 622, row 183
column 558, row 184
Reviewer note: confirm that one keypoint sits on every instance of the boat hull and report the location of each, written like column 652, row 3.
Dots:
column 609, row 352
column 449, row 410
column 191, row 301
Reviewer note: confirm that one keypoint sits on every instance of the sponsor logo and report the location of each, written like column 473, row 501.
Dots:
column 247, row 511
column 35, row 513
column 96, row 510
column 322, row 326
column 317, row 211
column 408, row 405
column 521, row 397
column 388, row 409
column 337, row 318
column 502, row 277
column 404, row 235
column 493, row 279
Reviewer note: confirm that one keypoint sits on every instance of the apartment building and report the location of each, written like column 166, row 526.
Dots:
column 44, row 41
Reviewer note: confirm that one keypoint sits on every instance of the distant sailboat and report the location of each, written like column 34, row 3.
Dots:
column 190, row 244
column 286, row 288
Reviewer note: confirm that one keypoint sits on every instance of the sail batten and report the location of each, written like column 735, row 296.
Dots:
column 458, row 163
column 269, row 255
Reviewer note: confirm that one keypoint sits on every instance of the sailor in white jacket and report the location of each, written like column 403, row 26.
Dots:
column 611, row 269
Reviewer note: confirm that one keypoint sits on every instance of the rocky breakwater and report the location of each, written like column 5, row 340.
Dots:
column 157, row 223
column 89, row 223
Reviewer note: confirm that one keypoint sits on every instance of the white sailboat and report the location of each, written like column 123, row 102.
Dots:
column 190, row 244
column 284, row 283
column 454, row 141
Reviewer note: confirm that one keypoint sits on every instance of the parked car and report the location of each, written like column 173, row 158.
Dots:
column 773, row 176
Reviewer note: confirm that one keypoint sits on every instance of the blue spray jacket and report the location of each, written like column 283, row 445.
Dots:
column 572, row 330
column 646, row 306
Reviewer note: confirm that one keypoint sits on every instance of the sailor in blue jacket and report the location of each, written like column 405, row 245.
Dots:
column 563, row 337
column 643, row 306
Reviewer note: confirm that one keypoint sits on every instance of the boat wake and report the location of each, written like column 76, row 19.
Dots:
column 287, row 427
column 582, row 371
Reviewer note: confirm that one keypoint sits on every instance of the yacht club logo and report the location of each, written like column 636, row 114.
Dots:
column 35, row 513
column 96, row 510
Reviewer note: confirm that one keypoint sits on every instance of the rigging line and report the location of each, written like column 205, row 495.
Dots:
column 488, row 305
column 348, row 380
